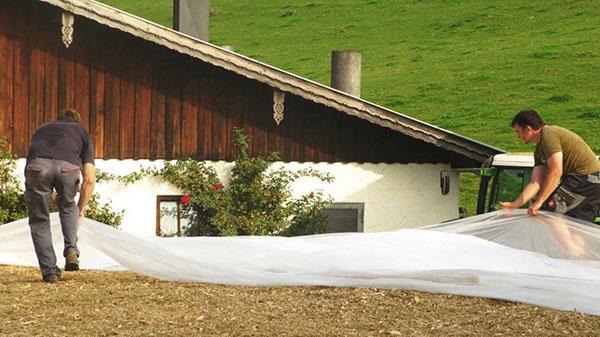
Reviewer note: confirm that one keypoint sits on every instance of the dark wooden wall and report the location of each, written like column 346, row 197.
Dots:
column 143, row 101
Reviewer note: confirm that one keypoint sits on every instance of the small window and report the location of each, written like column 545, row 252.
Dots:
column 170, row 220
column 345, row 217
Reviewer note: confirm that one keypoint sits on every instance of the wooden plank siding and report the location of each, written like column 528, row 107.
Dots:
column 7, row 27
column 158, row 107
column 112, row 100
column 127, row 124
column 22, row 63
column 50, row 49
column 142, row 105
column 205, row 108
column 36, row 78
column 189, row 110
column 143, row 101
column 97, row 94
column 82, row 50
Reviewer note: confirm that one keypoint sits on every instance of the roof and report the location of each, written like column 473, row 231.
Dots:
column 276, row 78
column 513, row 160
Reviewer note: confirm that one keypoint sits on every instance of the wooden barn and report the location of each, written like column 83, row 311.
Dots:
column 147, row 94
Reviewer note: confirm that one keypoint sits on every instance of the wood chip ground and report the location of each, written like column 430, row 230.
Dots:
column 98, row 303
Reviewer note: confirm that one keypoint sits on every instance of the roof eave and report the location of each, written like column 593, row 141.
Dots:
column 276, row 78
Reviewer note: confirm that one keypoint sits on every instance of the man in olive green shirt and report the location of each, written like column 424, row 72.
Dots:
column 566, row 173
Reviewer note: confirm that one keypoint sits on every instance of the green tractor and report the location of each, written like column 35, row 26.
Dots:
column 503, row 177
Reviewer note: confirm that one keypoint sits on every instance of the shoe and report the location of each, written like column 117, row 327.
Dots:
column 51, row 278
column 71, row 260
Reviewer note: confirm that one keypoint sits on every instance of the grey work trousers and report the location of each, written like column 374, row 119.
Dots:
column 42, row 175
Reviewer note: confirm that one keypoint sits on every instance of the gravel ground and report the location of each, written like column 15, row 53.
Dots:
column 94, row 303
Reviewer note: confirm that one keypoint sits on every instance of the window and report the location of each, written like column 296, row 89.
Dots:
column 345, row 217
column 507, row 184
column 169, row 216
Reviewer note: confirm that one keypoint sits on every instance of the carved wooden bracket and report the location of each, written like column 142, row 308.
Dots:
column 68, row 20
column 278, row 107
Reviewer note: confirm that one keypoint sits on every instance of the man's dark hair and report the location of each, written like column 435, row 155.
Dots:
column 69, row 115
column 528, row 117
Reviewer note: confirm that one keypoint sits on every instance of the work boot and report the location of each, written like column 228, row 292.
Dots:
column 71, row 260
column 51, row 278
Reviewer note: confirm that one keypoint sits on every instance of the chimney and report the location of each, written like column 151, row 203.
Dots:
column 345, row 71
column 191, row 17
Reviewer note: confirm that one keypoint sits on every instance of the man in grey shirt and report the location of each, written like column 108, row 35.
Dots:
column 59, row 151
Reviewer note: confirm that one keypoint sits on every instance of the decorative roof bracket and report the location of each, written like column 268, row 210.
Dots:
column 278, row 107
column 68, row 19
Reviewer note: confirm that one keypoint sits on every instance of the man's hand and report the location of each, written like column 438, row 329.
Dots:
column 508, row 205
column 534, row 208
column 87, row 188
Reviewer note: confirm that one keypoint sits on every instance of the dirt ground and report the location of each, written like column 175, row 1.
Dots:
column 94, row 303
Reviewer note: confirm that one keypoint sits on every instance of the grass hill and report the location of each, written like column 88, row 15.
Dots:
column 467, row 66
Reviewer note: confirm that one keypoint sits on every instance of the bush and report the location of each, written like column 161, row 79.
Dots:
column 309, row 217
column 103, row 212
column 204, row 189
column 12, row 200
column 256, row 202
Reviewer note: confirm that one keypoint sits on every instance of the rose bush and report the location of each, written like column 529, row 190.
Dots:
column 257, row 200
column 184, row 200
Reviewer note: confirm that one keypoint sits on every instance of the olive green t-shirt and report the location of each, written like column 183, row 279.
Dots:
column 578, row 157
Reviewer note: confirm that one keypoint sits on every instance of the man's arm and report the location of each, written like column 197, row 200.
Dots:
column 537, row 177
column 87, row 187
column 555, row 171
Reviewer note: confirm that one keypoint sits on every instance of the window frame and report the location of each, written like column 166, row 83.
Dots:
column 161, row 198
column 359, row 207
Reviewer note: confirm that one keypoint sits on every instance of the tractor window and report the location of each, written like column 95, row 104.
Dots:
column 507, row 185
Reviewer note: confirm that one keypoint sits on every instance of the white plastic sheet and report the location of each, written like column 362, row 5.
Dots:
column 546, row 260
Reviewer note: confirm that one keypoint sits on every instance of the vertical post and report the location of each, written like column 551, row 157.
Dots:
column 345, row 71
column 192, row 17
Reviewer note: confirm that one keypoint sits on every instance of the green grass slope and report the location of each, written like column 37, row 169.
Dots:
column 467, row 66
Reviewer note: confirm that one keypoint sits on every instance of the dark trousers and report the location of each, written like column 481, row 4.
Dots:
column 577, row 196
column 42, row 175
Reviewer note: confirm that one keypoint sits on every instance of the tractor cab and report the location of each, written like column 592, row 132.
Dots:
column 503, row 177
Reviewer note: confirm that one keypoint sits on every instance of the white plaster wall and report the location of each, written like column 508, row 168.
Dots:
column 395, row 195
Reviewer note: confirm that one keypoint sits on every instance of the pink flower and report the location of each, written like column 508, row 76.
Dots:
column 218, row 186
column 184, row 199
